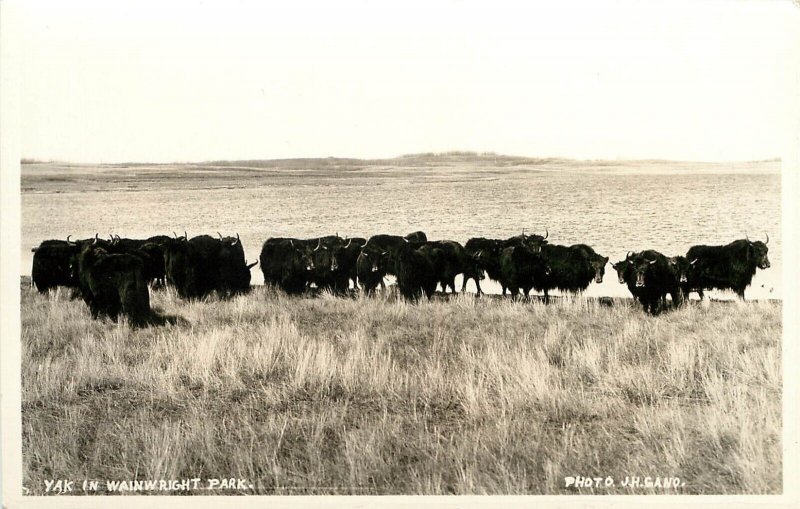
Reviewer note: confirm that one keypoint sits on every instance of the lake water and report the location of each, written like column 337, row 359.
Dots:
column 612, row 211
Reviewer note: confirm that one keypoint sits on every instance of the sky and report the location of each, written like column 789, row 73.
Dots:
column 202, row 80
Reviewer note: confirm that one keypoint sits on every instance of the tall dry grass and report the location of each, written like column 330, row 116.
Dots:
column 378, row 396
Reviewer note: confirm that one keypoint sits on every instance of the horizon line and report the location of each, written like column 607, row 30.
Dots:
column 449, row 153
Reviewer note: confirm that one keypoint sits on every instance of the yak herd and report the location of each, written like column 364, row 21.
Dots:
column 114, row 276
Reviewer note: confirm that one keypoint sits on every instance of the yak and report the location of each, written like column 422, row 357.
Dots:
column 597, row 261
column 486, row 254
column 572, row 269
column 650, row 277
column 728, row 267
column 54, row 265
column 453, row 259
column 345, row 257
column 371, row 268
column 522, row 268
column 286, row 264
column 416, row 269
column 326, row 273
column 202, row 265
column 113, row 284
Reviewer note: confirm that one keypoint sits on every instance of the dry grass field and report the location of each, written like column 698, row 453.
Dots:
column 377, row 396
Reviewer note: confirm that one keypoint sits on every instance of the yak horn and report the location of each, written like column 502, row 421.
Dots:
column 652, row 262
column 291, row 243
column 348, row 243
column 238, row 240
column 251, row 265
column 693, row 261
column 220, row 235
column 364, row 244
column 68, row 236
column 33, row 249
column 185, row 236
column 523, row 233
column 175, row 234
column 546, row 233
column 767, row 242
column 319, row 243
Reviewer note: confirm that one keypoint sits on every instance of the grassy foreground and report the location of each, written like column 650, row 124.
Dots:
column 360, row 396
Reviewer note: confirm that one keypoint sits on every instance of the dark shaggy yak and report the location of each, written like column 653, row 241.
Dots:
column 53, row 265
column 325, row 254
column 416, row 269
column 650, row 276
column 728, row 267
column 371, row 268
column 522, row 268
column 286, row 264
column 572, row 269
column 113, row 285
column 597, row 261
column 453, row 260
column 486, row 254
column 202, row 265
column 346, row 258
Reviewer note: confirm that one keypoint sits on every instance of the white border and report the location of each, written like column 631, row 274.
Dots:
column 10, row 426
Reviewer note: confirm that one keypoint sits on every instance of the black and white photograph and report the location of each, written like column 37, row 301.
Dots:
column 318, row 252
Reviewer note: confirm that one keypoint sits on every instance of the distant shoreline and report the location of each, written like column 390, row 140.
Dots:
column 436, row 157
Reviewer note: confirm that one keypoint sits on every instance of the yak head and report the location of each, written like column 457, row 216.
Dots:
column 474, row 268
column 373, row 258
column 417, row 237
column 300, row 257
column 323, row 257
column 758, row 252
column 639, row 266
column 622, row 267
column 599, row 266
column 534, row 242
column 680, row 266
